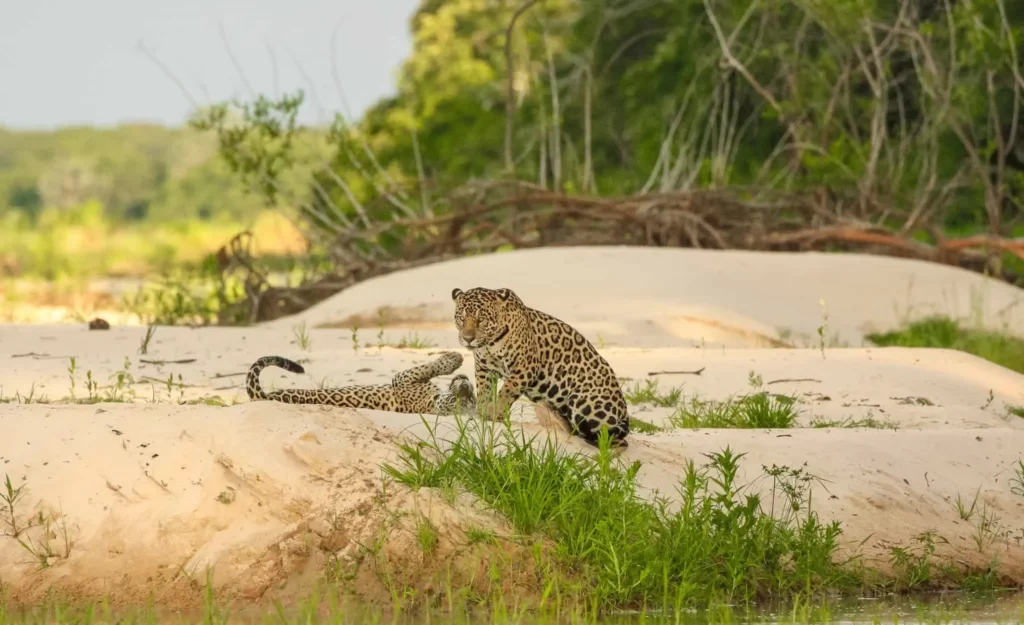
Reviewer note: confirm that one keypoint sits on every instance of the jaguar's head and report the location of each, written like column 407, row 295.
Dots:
column 483, row 316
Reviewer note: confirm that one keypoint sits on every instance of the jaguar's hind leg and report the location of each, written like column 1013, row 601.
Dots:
column 418, row 393
column 445, row 364
column 547, row 418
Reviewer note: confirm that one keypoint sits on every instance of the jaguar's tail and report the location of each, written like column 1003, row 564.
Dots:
column 252, row 379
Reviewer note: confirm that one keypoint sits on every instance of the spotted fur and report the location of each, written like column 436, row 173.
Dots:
column 410, row 391
column 539, row 357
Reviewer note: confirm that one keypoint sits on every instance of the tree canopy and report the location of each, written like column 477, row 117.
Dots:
column 908, row 111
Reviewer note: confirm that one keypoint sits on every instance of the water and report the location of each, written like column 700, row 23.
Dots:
column 1001, row 608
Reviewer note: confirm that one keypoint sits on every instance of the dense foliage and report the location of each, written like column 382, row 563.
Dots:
column 135, row 172
column 907, row 112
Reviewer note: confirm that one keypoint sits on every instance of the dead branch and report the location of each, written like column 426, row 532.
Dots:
column 484, row 216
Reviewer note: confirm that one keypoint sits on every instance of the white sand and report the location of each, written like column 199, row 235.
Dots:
column 150, row 494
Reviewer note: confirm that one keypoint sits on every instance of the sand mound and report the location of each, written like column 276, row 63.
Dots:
column 659, row 297
column 181, row 474
column 145, row 499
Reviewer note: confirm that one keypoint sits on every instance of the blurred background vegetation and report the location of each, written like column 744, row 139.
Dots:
column 905, row 115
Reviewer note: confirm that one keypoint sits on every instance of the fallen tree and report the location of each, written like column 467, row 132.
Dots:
column 486, row 217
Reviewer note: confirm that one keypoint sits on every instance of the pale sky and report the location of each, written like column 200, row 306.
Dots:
column 72, row 62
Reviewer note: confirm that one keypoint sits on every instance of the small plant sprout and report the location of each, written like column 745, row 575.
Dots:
column 914, row 564
column 301, row 336
column 355, row 338
column 10, row 498
column 754, row 379
column 823, row 328
column 43, row 551
column 986, row 529
column 91, row 385
column 30, row 398
column 962, row 510
column 71, row 375
column 1017, row 481
column 123, row 380
column 146, row 338
column 427, row 536
column 414, row 341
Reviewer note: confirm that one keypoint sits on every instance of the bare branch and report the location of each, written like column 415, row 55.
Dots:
column 510, row 86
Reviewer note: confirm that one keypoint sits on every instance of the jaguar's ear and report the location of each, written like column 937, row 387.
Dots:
column 456, row 294
column 505, row 294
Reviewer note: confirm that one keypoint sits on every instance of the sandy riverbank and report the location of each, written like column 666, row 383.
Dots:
column 149, row 493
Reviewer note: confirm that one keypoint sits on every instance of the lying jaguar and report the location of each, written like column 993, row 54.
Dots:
column 410, row 391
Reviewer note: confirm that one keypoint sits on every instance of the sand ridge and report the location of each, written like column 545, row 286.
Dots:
column 665, row 297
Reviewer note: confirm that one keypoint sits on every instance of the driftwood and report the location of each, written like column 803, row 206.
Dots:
column 483, row 218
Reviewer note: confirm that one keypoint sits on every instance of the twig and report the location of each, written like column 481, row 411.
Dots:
column 183, row 361
column 696, row 372
column 159, row 381
column 794, row 380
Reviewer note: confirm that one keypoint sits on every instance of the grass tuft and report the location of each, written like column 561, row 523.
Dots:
column 849, row 422
column 761, row 410
column 946, row 333
column 648, row 393
column 643, row 427
column 1017, row 481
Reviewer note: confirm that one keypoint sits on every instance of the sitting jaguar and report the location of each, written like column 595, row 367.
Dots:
column 539, row 357
column 410, row 391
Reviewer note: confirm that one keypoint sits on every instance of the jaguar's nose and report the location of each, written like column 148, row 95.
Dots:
column 468, row 332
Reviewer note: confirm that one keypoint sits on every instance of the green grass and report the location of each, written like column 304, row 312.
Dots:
column 648, row 393
column 643, row 427
column 942, row 332
column 1017, row 481
column 327, row 607
column 754, row 410
column 850, row 422
column 761, row 410
column 718, row 543
column 722, row 544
